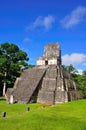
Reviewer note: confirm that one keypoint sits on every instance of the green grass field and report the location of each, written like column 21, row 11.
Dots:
column 67, row 116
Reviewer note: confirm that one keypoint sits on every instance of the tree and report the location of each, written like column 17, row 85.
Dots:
column 81, row 83
column 70, row 69
column 84, row 73
column 79, row 79
column 12, row 61
column 73, row 72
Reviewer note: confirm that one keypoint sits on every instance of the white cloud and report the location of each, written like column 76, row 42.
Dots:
column 75, row 17
column 26, row 40
column 74, row 59
column 45, row 22
column 80, row 71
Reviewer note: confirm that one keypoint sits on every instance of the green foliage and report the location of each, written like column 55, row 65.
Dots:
column 70, row 69
column 67, row 116
column 12, row 61
column 79, row 79
column 84, row 73
column 81, row 83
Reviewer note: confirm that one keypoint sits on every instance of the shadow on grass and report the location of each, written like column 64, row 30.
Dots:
column 2, row 99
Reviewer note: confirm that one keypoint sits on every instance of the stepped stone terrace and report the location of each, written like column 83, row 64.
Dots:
column 47, row 82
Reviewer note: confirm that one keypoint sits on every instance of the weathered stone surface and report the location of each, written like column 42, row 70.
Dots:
column 46, row 97
column 26, row 86
column 52, row 50
column 52, row 55
column 61, row 96
column 48, row 82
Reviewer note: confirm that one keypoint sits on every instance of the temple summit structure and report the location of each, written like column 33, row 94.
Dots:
column 47, row 82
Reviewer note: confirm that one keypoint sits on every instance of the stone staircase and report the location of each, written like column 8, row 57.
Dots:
column 47, row 91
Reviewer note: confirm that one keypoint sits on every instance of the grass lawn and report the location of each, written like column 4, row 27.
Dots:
column 66, row 116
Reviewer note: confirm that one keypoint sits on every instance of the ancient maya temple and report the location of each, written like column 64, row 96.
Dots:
column 47, row 82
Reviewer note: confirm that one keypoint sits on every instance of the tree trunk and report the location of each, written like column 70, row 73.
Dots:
column 4, row 88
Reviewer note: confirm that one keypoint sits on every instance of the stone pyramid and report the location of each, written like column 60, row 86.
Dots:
column 47, row 82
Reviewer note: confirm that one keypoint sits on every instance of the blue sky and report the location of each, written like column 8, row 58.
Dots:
column 31, row 24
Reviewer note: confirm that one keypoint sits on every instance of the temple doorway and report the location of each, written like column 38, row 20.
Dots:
column 46, row 62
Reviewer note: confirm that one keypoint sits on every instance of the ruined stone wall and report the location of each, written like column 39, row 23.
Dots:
column 40, row 61
column 57, row 87
column 26, row 85
column 52, row 50
column 48, row 82
column 52, row 55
